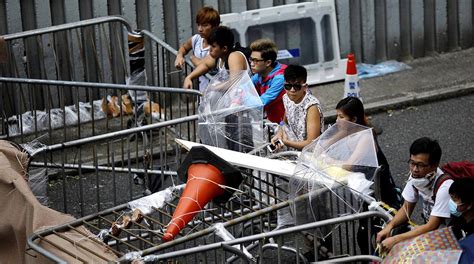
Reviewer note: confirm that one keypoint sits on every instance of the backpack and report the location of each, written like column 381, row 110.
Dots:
column 453, row 171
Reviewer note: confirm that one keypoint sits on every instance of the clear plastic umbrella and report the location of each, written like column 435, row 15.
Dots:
column 231, row 113
column 339, row 165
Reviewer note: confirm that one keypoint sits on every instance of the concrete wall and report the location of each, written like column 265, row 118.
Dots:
column 375, row 30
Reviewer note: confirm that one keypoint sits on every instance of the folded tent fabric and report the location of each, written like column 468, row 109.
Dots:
column 22, row 215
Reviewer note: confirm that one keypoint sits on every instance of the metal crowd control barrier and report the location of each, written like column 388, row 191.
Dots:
column 272, row 247
column 306, row 34
column 92, row 51
column 91, row 159
column 250, row 217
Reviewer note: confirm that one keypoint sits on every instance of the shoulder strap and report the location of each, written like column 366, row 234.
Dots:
column 438, row 182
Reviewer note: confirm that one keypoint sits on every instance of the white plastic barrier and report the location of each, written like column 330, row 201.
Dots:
column 305, row 32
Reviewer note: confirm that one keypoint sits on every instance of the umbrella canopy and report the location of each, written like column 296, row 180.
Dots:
column 343, row 158
column 231, row 113
column 438, row 246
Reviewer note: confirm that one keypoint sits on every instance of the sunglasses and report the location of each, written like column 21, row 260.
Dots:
column 296, row 86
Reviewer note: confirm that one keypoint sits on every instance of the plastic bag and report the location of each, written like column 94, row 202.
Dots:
column 386, row 67
column 231, row 113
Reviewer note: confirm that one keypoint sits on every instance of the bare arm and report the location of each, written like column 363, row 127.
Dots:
column 195, row 60
column 207, row 64
column 400, row 217
column 182, row 51
column 313, row 129
column 432, row 224
column 237, row 62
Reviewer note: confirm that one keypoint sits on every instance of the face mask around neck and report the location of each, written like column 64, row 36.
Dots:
column 425, row 182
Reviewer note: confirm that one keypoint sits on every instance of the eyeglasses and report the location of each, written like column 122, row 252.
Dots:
column 297, row 86
column 420, row 165
column 255, row 60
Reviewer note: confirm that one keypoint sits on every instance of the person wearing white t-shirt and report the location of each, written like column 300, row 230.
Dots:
column 425, row 155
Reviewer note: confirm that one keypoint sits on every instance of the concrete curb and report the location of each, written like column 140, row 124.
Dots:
column 411, row 100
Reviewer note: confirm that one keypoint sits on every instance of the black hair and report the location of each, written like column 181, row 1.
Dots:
column 295, row 73
column 463, row 188
column 222, row 36
column 428, row 146
column 353, row 107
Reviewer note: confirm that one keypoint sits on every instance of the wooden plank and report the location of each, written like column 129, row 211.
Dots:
column 279, row 167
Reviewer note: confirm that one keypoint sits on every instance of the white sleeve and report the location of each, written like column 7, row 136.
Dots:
column 441, row 206
column 409, row 193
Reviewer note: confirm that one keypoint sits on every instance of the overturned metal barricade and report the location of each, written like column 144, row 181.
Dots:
column 277, row 246
column 246, row 219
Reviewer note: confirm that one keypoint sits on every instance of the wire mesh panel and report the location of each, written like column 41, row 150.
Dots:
column 87, row 158
column 288, row 245
column 136, row 229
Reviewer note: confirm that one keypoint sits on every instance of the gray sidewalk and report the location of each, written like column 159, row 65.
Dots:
column 431, row 78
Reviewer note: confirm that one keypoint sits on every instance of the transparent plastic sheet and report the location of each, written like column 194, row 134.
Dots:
column 344, row 151
column 222, row 232
column 137, row 77
column 156, row 200
column 38, row 181
column 37, row 177
column 373, row 70
column 57, row 116
column 138, row 209
column 231, row 113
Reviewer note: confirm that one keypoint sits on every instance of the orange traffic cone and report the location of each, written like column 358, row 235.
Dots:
column 206, row 175
column 351, row 83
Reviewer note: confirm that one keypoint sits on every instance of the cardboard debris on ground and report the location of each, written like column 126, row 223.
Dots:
column 22, row 215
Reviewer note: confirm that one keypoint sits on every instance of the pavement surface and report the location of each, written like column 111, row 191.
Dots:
column 431, row 78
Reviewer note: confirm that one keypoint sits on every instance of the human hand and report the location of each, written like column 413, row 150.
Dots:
column 388, row 243
column 188, row 83
column 384, row 233
column 179, row 62
column 277, row 143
